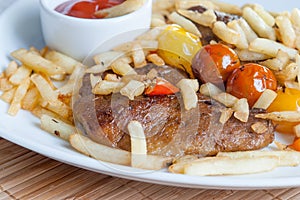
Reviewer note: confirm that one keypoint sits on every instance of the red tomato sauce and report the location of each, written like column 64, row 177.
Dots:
column 86, row 8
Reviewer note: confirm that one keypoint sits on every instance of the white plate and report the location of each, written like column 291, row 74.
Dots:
column 20, row 27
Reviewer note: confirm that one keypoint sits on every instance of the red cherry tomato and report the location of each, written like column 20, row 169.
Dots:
column 214, row 63
column 249, row 81
column 85, row 8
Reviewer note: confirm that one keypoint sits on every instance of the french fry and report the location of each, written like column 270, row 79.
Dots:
column 265, row 99
column 286, row 30
column 209, row 89
column 154, row 162
column 207, row 18
column 20, row 92
column 121, row 9
column 285, row 158
column 138, row 144
column 138, row 56
column 48, row 79
column 288, row 73
column 147, row 45
column 225, row 33
column 259, row 128
column 228, row 166
column 157, row 21
column 159, row 16
column 57, row 127
column 248, row 31
column 258, row 24
column 39, row 111
column 271, row 48
column 37, row 62
column 31, row 99
column 105, row 59
column 246, row 55
column 94, row 80
column 226, row 113
column 97, row 69
column 278, row 63
column 20, row 75
column 34, row 50
column 45, row 89
column 139, row 44
column 227, row 7
column 241, row 110
column 64, row 61
column 266, row 16
column 59, row 77
column 133, row 89
column 178, row 163
column 67, row 89
column 184, row 23
column 8, row 95
column 188, row 89
column 295, row 18
column 60, row 108
column 167, row 5
column 242, row 42
column 151, row 34
column 98, row 151
column 11, row 69
column 65, row 98
column 288, row 116
column 155, row 59
column 225, row 98
column 5, row 85
column 107, row 87
column 186, row 4
column 112, row 155
column 111, row 77
column 122, row 68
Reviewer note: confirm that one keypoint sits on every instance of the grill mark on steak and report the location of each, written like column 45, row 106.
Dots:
column 170, row 130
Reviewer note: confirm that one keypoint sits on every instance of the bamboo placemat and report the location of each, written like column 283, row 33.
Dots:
column 27, row 175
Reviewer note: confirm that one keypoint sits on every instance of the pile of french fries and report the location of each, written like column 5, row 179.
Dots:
column 42, row 81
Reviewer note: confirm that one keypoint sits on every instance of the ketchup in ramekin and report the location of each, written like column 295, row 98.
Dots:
column 85, row 8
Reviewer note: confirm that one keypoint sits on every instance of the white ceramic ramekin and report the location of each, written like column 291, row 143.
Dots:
column 78, row 37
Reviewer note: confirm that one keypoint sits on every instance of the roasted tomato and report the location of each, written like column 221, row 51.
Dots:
column 177, row 47
column 287, row 99
column 214, row 63
column 296, row 144
column 161, row 87
column 249, row 81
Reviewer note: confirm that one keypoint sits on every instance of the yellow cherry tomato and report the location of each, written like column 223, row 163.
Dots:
column 287, row 99
column 177, row 47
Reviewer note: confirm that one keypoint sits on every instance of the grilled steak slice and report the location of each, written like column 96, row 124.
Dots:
column 170, row 130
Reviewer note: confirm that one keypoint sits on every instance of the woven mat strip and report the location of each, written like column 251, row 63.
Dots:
column 27, row 175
